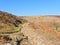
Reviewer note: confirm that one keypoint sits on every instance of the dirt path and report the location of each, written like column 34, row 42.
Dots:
column 36, row 37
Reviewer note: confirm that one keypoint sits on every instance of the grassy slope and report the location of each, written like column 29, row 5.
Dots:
column 8, row 22
column 44, row 25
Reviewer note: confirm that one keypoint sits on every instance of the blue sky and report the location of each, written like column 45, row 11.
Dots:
column 31, row 7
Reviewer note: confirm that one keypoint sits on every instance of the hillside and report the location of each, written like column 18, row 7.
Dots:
column 29, row 30
column 10, row 29
column 8, row 22
column 42, row 30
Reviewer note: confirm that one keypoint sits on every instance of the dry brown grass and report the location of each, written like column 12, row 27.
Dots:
column 41, row 31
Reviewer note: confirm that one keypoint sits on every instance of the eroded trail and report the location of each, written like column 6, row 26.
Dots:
column 36, row 37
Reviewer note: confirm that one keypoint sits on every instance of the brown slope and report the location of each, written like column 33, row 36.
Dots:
column 41, row 30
